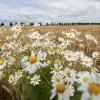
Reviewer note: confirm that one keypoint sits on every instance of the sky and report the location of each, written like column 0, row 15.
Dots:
column 50, row 10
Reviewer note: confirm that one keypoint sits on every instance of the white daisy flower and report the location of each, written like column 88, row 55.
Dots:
column 57, row 78
column 59, row 51
column 61, row 39
column 41, row 55
column 25, row 59
column 70, row 75
column 36, row 44
column 85, row 77
column 69, row 55
column 79, row 54
column 90, row 91
column 35, row 79
column 33, row 63
column 34, row 35
column 63, row 91
column 95, row 54
column 56, row 69
column 87, row 61
column 18, row 74
column 13, row 79
column 51, row 51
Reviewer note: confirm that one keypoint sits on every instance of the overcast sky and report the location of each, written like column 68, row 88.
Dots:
column 44, row 10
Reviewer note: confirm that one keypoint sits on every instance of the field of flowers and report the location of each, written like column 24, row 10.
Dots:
column 38, row 63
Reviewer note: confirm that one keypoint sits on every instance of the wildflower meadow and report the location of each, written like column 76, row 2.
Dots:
column 45, row 66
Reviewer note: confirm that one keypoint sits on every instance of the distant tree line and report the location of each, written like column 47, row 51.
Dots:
column 62, row 24
column 51, row 24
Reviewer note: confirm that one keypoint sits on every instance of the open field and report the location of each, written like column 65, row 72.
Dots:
column 94, row 29
column 49, row 62
column 84, row 29
column 91, row 29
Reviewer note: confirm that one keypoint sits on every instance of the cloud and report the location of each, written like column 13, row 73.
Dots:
column 51, row 9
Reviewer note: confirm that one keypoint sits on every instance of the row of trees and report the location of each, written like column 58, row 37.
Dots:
column 52, row 24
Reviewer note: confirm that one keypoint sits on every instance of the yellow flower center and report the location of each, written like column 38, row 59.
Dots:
column 85, row 61
column 1, row 62
column 60, row 87
column 69, row 56
column 94, row 89
column 33, row 59
column 60, row 49
column 79, row 55
column 52, row 49
column 68, row 74
column 57, row 69
column 85, row 79
column 57, row 79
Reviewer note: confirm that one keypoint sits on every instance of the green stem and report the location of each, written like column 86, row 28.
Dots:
column 44, row 77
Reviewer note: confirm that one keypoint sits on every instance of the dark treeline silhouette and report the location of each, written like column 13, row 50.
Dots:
column 50, row 24
column 2, row 24
column 31, row 24
column 11, row 24
column 63, row 24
